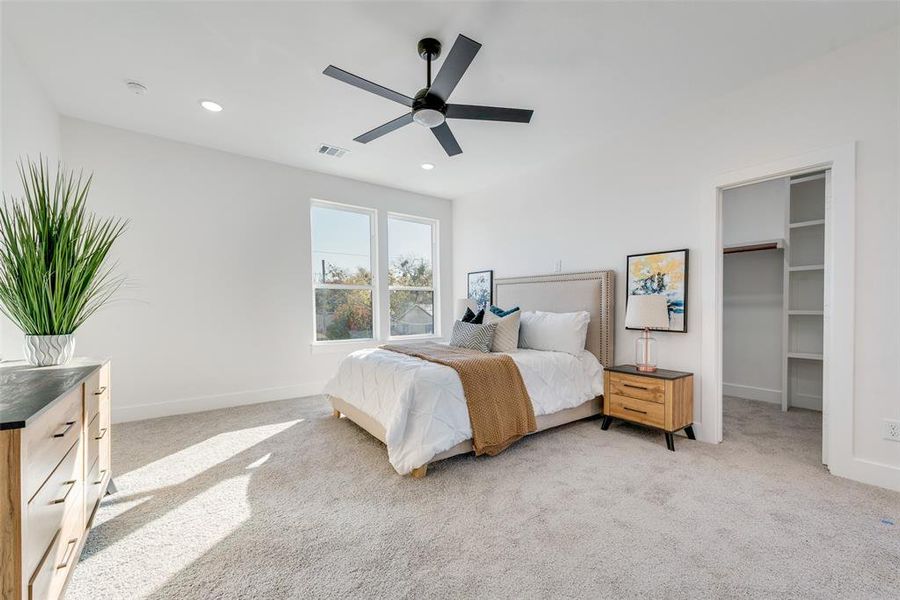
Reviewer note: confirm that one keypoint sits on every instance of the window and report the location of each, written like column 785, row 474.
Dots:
column 411, row 249
column 343, row 242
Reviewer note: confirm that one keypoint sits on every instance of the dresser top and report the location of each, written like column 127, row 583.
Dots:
column 657, row 374
column 26, row 391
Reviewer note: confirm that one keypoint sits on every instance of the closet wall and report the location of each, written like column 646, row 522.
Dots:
column 753, row 305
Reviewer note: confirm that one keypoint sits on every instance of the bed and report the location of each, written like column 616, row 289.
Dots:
column 417, row 408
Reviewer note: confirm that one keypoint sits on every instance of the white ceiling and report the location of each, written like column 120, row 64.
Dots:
column 591, row 71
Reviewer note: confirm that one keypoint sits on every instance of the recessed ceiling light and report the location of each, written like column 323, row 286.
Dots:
column 427, row 166
column 211, row 106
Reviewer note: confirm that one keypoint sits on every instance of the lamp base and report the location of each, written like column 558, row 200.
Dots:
column 646, row 368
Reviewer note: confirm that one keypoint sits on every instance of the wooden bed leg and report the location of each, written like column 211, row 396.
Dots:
column 420, row 472
column 336, row 413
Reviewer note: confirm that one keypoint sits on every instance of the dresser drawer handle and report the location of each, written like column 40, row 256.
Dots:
column 102, row 434
column 102, row 475
column 100, row 391
column 70, row 550
column 71, row 484
column 643, row 412
column 62, row 432
column 631, row 385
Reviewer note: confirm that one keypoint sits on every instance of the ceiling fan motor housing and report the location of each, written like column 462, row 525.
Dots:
column 428, row 110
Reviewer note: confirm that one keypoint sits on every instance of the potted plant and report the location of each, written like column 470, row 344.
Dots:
column 53, row 269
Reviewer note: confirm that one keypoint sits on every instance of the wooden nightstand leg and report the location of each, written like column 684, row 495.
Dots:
column 670, row 441
column 607, row 420
column 689, row 431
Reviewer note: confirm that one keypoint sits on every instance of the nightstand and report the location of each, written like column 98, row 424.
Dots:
column 662, row 399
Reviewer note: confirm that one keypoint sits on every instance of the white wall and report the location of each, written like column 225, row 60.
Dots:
column 218, row 249
column 29, row 126
column 644, row 193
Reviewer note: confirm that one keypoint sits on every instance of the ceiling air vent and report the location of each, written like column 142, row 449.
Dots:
column 332, row 150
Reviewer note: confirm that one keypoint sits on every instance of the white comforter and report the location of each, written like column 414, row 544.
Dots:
column 421, row 404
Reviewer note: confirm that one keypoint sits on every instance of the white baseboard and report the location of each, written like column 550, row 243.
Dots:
column 752, row 393
column 869, row 471
column 807, row 401
column 122, row 414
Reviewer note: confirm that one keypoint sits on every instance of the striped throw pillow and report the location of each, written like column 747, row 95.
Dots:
column 474, row 337
column 506, row 338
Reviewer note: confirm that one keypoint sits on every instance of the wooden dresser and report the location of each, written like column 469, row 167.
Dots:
column 54, row 468
column 662, row 399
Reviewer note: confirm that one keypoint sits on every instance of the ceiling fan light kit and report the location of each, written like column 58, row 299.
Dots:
column 429, row 107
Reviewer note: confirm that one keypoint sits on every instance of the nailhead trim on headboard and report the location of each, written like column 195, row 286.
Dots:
column 606, row 281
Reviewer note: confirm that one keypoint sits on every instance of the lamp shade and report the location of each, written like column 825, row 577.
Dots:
column 647, row 311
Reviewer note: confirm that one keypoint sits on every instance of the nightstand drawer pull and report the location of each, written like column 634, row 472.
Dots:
column 643, row 412
column 631, row 385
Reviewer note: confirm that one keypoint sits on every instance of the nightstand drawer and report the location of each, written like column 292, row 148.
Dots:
column 642, row 388
column 639, row 411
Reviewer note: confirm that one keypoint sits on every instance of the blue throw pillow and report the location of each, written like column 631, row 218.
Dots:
column 502, row 313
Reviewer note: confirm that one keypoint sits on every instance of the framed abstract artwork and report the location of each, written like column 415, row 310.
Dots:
column 480, row 288
column 664, row 273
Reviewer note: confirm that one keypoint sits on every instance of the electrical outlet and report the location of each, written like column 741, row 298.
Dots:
column 890, row 430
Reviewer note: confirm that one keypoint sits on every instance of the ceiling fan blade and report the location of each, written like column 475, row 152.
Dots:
column 448, row 141
column 384, row 129
column 456, row 63
column 365, row 84
column 488, row 113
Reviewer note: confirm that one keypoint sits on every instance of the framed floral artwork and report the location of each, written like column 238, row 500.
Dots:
column 481, row 288
column 664, row 273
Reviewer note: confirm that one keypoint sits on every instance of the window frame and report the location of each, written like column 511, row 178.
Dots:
column 435, row 277
column 374, row 270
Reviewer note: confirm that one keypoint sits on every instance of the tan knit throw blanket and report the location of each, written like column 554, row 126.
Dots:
column 500, row 409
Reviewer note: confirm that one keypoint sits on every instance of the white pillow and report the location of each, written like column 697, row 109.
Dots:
column 560, row 332
column 506, row 337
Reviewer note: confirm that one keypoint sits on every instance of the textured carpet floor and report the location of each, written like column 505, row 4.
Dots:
column 279, row 500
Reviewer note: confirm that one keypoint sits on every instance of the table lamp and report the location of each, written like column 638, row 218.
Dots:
column 646, row 312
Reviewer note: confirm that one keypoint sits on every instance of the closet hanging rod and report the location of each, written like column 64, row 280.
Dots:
column 753, row 246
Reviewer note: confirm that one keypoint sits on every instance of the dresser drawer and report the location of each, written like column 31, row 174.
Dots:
column 93, row 441
column 47, row 440
column 93, row 487
column 60, row 557
column 57, row 499
column 639, row 411
column 96, row 391
column 642, row 388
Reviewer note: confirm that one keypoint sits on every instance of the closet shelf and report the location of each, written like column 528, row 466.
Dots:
column 775, row 244
column 808, row 268
column 807, row 312
column 805, row 355
column 812, row 223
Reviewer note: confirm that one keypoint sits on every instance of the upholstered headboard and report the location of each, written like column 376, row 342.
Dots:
column 593, row 291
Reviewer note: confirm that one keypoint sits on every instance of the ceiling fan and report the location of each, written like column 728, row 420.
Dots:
column 429, row 107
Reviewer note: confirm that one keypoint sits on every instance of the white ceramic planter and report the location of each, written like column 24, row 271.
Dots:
column 47, row 350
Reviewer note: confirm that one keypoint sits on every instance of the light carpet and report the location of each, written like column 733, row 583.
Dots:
column 280, row 500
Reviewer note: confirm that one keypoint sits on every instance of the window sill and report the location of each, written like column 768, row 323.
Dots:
column 345, row 346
